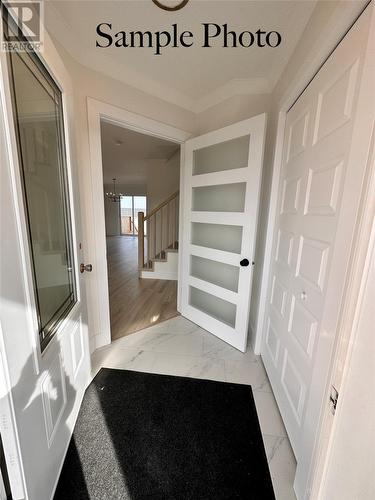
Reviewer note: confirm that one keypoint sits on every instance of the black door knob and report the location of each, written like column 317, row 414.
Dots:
column 244, row 263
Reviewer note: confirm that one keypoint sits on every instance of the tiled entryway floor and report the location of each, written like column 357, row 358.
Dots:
column 179, row 347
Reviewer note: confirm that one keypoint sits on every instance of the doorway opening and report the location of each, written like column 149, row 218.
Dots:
column 141, row 176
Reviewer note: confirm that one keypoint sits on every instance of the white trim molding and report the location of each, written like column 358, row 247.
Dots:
column 235, row 87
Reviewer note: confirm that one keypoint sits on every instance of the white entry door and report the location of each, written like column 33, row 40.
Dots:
column 44, row 355
column 221, row 180
column 319, row 196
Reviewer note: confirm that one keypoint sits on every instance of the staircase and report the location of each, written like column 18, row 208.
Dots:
column 158, row 240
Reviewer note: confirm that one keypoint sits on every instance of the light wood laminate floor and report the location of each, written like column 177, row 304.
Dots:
column 135, row 303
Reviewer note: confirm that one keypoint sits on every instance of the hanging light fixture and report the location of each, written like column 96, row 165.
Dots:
column 113, row 196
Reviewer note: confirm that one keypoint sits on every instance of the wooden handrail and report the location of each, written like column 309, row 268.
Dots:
column 163, row 204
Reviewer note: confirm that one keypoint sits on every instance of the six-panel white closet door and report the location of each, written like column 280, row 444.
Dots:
column 221, row 180
column 318, row 200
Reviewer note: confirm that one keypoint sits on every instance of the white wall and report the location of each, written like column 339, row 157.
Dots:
column 231, row 111
column 351, row 468
column 163, row 180
column 112, row 217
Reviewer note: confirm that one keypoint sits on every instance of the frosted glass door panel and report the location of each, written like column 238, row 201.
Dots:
column 222, row 156
column 220, row 198
column 218, row 236
column 213, row 306
column 215, row 272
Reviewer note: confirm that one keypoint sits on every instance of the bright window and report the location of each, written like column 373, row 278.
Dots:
column 129, row 208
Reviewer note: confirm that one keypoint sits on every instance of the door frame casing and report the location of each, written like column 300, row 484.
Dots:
column 351, row 300
column 97, row 111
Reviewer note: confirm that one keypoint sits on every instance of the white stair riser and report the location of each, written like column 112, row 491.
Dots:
column 163, row 270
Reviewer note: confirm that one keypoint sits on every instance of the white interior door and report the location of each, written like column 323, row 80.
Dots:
column 221, row 180
column 44, row 355
column 319, row 196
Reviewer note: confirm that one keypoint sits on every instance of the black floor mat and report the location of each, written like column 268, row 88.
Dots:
column 144, row 436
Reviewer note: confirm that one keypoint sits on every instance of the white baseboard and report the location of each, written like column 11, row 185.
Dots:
column 252, row 330
column 159, row 275
column 96, row 341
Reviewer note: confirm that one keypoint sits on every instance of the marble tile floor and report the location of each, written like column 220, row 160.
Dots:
column 179, row 347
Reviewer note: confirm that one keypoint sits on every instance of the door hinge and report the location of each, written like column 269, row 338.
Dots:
column 334, row 396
